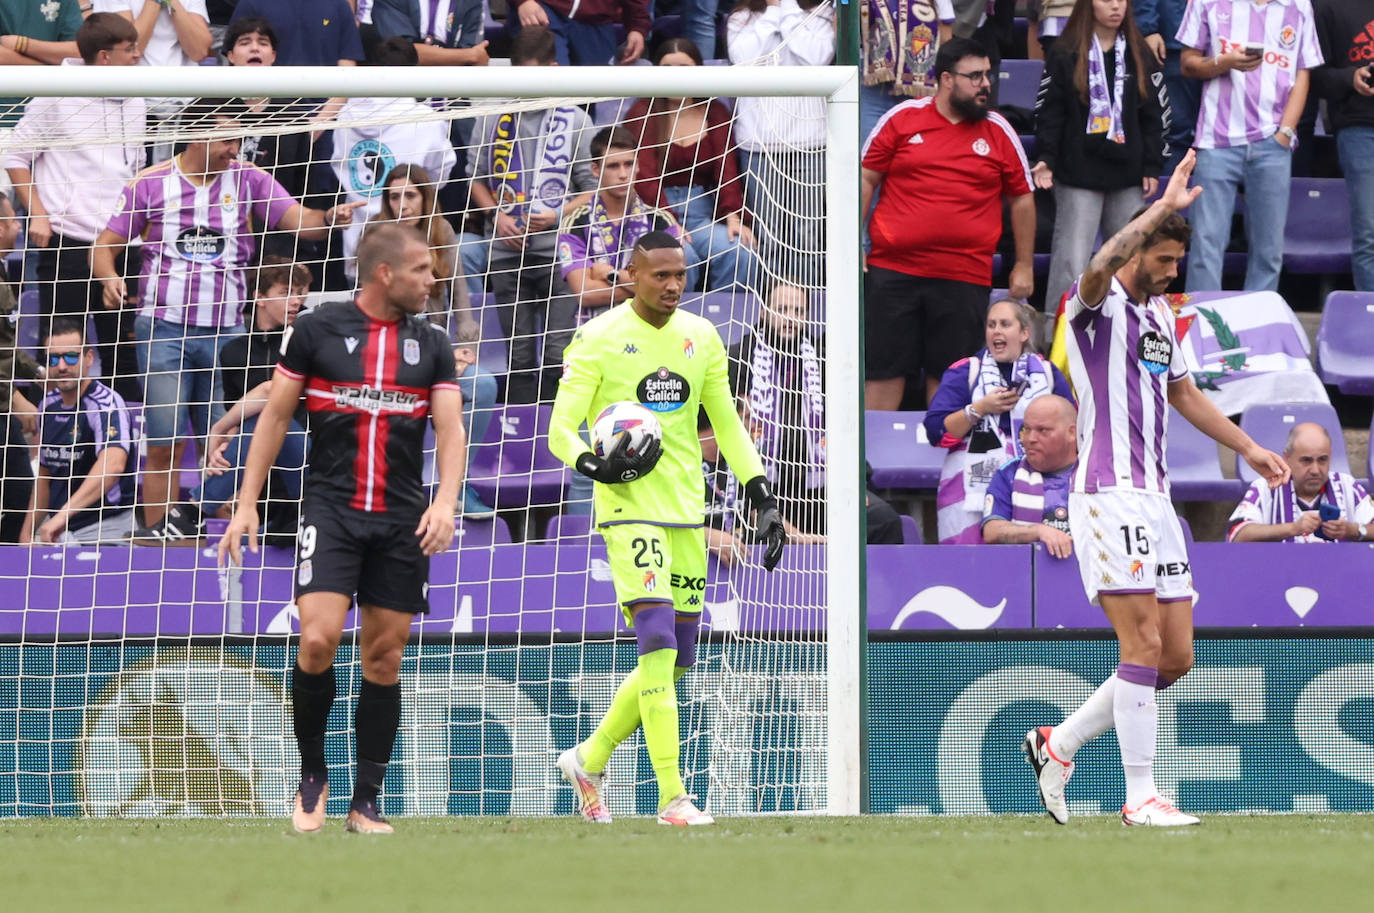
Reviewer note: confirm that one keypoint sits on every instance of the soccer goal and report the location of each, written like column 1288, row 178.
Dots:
column 140, row 679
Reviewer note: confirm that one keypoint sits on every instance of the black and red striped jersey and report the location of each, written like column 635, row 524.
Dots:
column 367, row 391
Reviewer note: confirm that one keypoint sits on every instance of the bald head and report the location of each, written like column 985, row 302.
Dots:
column 1049, row 433
column 1052, row 408
column 1307, row 435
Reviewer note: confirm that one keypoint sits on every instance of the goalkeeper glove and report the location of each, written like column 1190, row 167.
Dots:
column 768, row 521
column 617, row 466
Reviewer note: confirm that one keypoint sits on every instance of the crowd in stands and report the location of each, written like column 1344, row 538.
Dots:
column 166, row 272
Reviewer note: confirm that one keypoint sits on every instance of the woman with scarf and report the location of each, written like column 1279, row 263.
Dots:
column 977, row 412
column 688, row 163
column 1099, row 133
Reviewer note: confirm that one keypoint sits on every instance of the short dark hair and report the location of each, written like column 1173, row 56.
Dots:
column 678, row 46
column 247, row 26
column 656, row 240
column 955, row 50
column 281, row 271
column 202, row 113
column 384, row 244
column 533, row 44
column 611, row 137
column 1173, row 228
column 61, row 326
column 101, row 32
column 396, row 51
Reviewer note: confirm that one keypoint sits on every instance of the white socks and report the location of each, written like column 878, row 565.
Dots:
column 1086, row 723
column 1125, row 700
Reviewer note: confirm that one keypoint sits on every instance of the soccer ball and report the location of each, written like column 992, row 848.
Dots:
column 624, row 418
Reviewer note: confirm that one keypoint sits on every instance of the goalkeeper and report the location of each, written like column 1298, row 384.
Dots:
column 644, row 351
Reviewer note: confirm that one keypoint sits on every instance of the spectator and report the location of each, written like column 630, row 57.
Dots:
column 171, row 33
column 314, row 33
column 70, row 188
column 29, row 37
column 83, row 493
column 1099, row 134
column 897, row 54
column 779, row 368
column 1050, row 17
column 1028, row 498
column 530, row 165
column 978, row 413
column 1315, row 505
column 1254, row 59
column 247, row 364
column 20, row 414
column 1346, row 81
column 446, row 33
column 1158, row 21
column 584, row 30
column 688, row 163
column 374, row 135
column 937, row 224
column 479, row 399
column 194, row 276
column 783, row 139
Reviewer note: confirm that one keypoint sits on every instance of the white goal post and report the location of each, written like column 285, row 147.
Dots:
column 844, row 563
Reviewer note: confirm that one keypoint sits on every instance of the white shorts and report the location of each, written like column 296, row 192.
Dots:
column 1130, row 542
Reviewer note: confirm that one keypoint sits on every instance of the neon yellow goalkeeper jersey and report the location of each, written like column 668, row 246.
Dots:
column 618, row 356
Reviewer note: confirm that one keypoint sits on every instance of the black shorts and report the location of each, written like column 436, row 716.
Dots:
column 913, row 324
column 368, row 555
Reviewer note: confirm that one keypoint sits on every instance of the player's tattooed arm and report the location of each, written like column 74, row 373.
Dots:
column 1125, row 244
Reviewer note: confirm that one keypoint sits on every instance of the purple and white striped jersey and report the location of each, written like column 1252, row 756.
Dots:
column 1240, row 108
column 1122, row 356
column 198, row 241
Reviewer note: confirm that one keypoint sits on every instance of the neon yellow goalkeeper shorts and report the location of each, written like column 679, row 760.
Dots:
column 657, row 564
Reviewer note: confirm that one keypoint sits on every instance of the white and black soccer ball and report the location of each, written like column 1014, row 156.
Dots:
column 628, row 418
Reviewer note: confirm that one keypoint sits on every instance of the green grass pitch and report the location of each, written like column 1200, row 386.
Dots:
column 1004, row 864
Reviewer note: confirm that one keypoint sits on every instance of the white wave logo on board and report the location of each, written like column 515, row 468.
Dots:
column 954, row 606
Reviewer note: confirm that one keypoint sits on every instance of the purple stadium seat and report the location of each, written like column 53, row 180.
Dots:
column 1269, row 424
column 481, row 533
column 1194, row 467
column 733, row 313
column 516, row 469
column 1019, row 83
column 1316, row 238
column 1345, row 342
column 898, row 451
column 569, row 526
column 911, row 531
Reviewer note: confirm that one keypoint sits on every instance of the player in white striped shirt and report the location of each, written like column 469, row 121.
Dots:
column 1126, row 367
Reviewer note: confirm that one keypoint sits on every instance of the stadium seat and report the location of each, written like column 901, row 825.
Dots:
column 1316, row 238
column 569, row 526
column 911, row 531
column 516, row 469
column 1019, row 83
column 1269, row 424
column 898, row 451
column 733, row 313
column 1194, row 466
column 481, row 533
column 1345, row 342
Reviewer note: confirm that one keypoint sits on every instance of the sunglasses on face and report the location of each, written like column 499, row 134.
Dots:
column 71, row 358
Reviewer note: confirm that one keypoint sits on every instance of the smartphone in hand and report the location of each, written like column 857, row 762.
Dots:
column 1253, row 49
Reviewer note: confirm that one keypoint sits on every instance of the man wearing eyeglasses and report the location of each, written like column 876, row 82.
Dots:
column 83, row 493
column 944, row 165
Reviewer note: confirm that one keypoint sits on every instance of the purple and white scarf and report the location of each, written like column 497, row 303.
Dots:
column 901, row 38
column 544, row 186
column 763, row 388
column 1104, row 115
column 1028, row 501
column 613, row 240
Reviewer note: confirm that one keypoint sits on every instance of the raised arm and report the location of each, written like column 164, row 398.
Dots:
column 315, row 224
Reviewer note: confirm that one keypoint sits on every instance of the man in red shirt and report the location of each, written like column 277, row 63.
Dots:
column 944, row 164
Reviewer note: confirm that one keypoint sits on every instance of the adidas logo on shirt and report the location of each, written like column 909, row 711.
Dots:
column 916, row 140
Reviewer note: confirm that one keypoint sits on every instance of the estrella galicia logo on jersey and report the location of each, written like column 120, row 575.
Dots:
column 650, row 581
column 410, row 352
column 369, row 161
column 663, row 391
column 688, row 349
column 1155, row 352
column 1056, row 518
column 200, row 244
column 372, row 400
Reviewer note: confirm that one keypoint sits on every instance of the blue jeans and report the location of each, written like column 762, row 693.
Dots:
column 874, row 102
column 575, row 43
column 1355, row 145
column 699, row 24
column 1265, row 167
column 1184, row 96
column 179, row 364
column 475, row 253
column 290, row 466
column 728, row 263
column 479, row 396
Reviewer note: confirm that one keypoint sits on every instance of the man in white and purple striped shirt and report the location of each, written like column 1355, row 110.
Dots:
column 199, row 214
column 1254, row 56
column 1126, row 366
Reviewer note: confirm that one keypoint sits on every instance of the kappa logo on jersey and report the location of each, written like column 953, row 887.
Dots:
column 981, row 146
column 372, row 400
column 1154, row 352
column 688, row 349
column 650, row 581
column 664, row 391
column 694, row 599
column 200, row 244
column 630, row 349
column 369, row 161
column 350, row 343
column 410, row 352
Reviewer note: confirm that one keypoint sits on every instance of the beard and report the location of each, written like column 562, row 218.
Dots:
column 975, row 108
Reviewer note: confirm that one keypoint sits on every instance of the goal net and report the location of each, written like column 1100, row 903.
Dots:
column 138, row 678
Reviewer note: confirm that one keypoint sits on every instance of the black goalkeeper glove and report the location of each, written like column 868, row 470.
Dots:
column 617, row 466
column 768, row 522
